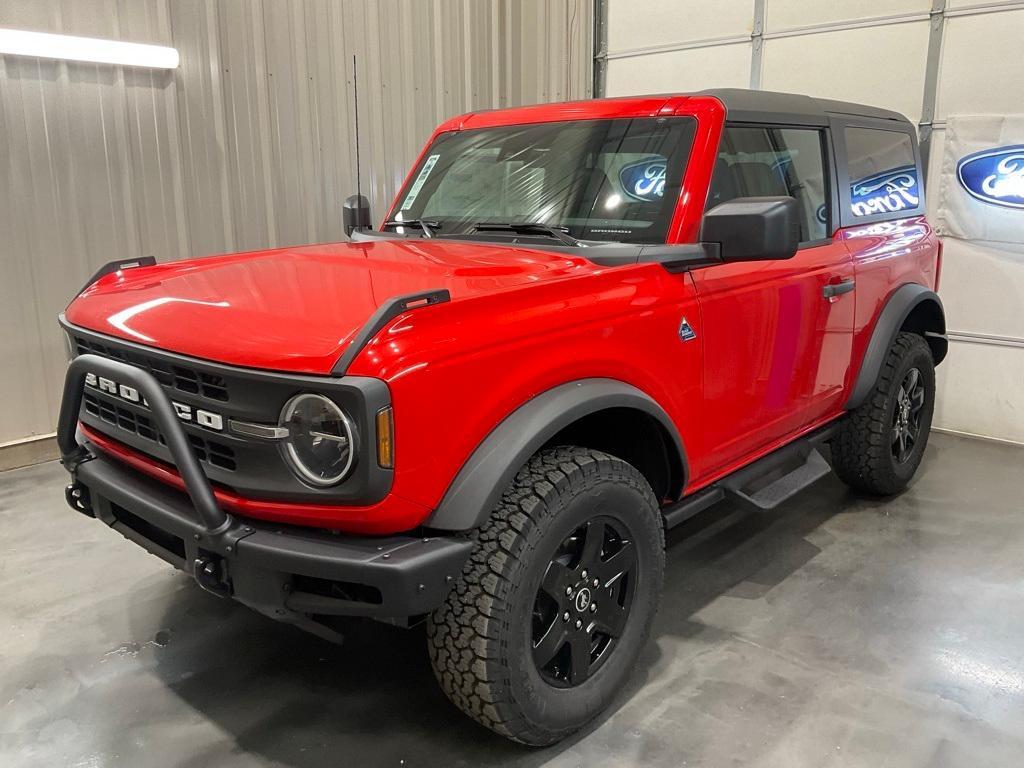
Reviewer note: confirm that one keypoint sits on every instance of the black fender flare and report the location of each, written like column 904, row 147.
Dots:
column 891, row 319
column 478, row 486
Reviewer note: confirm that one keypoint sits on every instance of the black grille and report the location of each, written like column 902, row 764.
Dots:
column 208, row 451
column 179, row 377
column 248, row 467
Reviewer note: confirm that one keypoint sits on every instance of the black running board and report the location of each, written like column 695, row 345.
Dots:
column 767, row 483
column 763, row 485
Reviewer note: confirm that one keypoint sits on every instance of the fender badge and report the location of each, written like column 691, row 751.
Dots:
column 686, row 333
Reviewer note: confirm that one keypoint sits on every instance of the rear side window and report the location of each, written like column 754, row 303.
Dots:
column 883, row 172
column 761, row 161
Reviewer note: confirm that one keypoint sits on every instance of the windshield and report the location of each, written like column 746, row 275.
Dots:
column 593, row 179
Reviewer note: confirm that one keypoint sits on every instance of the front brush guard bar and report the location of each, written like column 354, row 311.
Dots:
column 220, row 532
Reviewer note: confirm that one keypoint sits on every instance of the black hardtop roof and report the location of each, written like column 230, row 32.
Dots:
column 745, row 105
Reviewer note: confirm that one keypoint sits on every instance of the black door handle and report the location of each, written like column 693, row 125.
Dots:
column 837, row 289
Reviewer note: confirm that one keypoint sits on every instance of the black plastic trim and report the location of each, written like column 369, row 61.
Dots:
column 732, row 485
column 757, row 106
column 385, row 313
column 833, row 290
column 116, row 266
column 753, row 228
column 492, row 466
column 199, row 490
column 897, row 308
column 412, row 573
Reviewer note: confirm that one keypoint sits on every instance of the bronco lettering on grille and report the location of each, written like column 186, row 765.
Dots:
column 185, row 412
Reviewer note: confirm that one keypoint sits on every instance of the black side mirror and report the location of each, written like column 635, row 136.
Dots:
column 356, row 213
column 753, row 228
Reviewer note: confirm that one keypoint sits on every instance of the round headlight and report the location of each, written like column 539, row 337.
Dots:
column 321, row 439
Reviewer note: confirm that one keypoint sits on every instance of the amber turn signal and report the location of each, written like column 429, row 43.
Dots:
column 386, row 438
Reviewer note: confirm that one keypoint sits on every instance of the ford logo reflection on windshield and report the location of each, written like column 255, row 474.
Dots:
column 644, row 180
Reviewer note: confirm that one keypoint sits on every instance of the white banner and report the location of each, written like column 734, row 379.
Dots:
column 981, row 189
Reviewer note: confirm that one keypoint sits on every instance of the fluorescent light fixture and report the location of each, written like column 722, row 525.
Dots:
column 20, row 42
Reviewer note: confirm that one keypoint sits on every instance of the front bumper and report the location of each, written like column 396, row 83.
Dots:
column 297, row 575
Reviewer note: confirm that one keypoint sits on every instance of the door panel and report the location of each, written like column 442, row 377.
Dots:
column 776, row 350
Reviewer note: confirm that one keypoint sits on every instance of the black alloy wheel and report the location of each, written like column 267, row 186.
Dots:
column 906, row 426
column 583, row 602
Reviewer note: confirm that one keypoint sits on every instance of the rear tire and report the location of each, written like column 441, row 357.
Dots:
column 501, row 645
column 880, row 444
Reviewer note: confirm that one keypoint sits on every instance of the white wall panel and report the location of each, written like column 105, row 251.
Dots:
column 980, row 386
column 791, row 14
column 248, row 144
column 882, row 66
column 720, row 66
column 634, row 25
column 980, row 283
column 982, row 65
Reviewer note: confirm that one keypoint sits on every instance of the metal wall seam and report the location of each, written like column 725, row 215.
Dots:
column 757, row 44
column 975, row 10
column 931, row 83
column 965, row 337
column 689, row 45
column 848, row 24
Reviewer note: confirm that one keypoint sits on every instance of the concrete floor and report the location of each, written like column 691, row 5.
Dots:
column 838, row 632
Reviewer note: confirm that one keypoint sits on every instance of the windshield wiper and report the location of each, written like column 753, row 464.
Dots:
column 426, row 226
column 528, row 228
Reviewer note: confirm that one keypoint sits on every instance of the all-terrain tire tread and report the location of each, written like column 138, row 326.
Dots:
column 860, row 450
column 464, row 634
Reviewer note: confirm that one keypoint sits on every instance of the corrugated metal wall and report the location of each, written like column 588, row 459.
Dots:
column 249, row 144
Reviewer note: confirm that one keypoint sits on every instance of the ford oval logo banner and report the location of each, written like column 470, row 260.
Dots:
column 994, row 176
column 888, row 192
column 645, row 180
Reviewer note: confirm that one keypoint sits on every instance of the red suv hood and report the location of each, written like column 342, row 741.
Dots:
column 294, row 309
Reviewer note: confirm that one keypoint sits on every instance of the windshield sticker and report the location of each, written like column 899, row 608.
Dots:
column 887, row 192
column 645, row 180
column 420, row 181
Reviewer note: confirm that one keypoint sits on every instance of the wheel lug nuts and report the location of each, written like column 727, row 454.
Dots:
column 596, row 583
column 568, row 591
column 593, row 607
column 584, row 574
column 565, row 616
column 579, row 624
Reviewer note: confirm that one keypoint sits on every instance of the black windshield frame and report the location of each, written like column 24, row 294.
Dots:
column 567, row 174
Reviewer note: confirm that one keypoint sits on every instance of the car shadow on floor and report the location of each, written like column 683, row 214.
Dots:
column 294, row 699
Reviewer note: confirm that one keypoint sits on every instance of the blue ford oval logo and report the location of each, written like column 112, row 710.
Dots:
column 888, row 192
column 644, row 180
column 994, row 176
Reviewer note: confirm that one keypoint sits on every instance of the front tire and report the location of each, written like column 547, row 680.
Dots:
column 880, row 444
column 547, row 620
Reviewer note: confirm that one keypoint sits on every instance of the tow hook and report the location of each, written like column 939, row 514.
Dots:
column 77, row 496
column 211, row 573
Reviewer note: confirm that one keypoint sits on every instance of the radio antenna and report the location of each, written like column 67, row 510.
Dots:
column 355, row 105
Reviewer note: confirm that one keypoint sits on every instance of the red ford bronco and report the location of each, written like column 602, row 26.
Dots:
column 577, row 326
